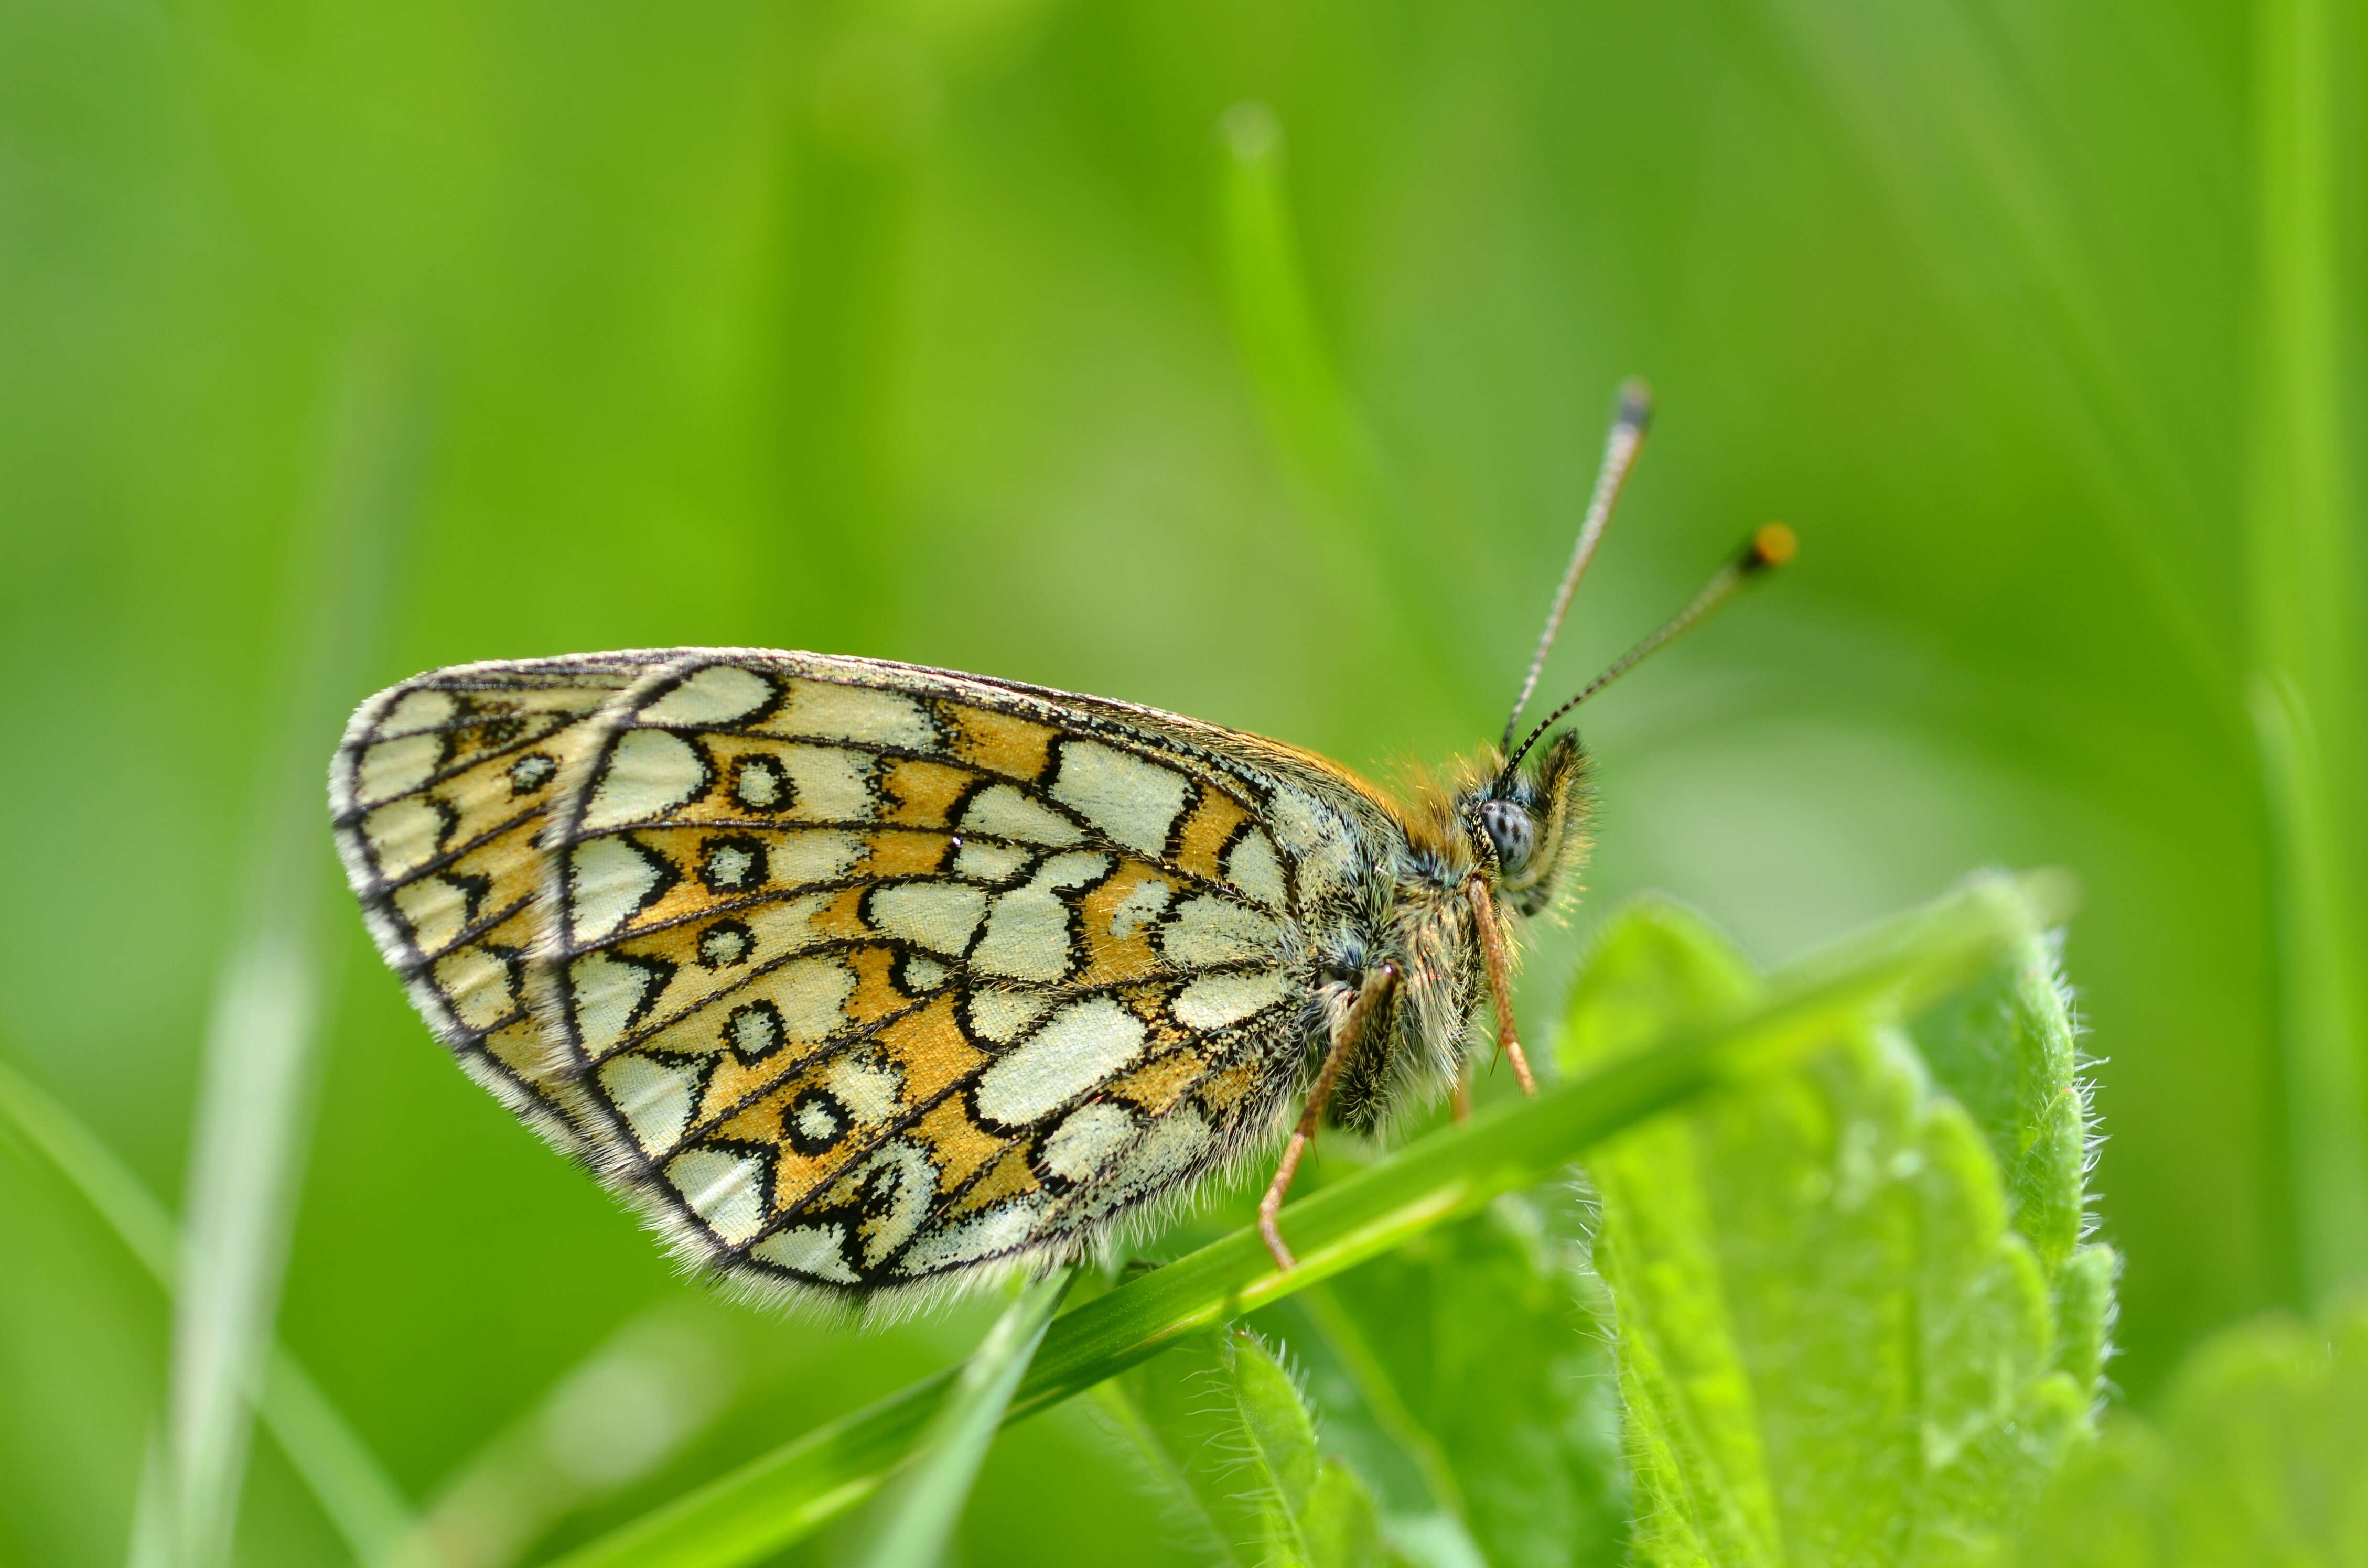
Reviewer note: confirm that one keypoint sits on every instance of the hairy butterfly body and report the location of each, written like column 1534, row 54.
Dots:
column 866, row 981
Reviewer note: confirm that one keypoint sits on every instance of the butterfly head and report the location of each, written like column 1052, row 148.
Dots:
column 1528, row 822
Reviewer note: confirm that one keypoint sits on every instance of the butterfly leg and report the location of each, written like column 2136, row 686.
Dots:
column 1500, row 982
column 1378, row 984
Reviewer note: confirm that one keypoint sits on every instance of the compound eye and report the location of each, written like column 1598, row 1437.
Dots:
column 1510, row 829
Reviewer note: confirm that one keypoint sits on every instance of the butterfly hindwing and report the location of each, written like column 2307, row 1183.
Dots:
column 436, row 796
column 871, row 974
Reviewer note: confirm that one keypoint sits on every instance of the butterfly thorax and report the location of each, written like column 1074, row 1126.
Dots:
column 1523, row 835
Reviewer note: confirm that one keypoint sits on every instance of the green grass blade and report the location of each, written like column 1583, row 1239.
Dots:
column 1898, row 966
column 914, row 1519
column 354, row 1490
column 252, row 1123
column 1324, row 440
column 2305, row 697
column 1309, row 412
column 2327, row 1144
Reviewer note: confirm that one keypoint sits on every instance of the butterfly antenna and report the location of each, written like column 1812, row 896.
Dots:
column 1770, row 546
column 1621, row 444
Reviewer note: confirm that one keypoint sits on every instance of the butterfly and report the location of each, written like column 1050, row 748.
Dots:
column 867, row 983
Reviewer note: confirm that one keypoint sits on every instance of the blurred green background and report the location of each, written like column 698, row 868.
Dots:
column 342, row 342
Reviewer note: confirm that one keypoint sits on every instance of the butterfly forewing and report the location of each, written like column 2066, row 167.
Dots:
column 436, row 795
column 873, row 973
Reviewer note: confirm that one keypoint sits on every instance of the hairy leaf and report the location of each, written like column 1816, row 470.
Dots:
column 1832, row 1346
column 1228, row 1437
column 1470, row 1374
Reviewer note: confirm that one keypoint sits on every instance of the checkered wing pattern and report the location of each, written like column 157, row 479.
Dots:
column 437, row 797
column 864, row 979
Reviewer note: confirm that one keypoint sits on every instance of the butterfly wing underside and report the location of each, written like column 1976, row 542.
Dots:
column 860, row 978
column 435, row 797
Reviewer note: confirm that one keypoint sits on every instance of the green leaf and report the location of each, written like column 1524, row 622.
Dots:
column 1832, row 1346
column 2261, row 1457
column 915, row 1517
column 1225, row 1430
column 1899, row 967
column 1477, row 1358
column 2005, row 1049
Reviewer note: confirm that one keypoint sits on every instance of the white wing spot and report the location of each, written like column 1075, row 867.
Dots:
column 649, row 773
column 812, row 994
column 398, row 766
column 1085, row 1142
column 858, row 713
column 814, row 855
column 477, row 986
column 937, row 915
column 868, row 1090
column 910, row 1180
column 1217, row 930
column 1133, row 801
column 818, row 1252
column 1254, row 868
column 999, row 1229
column 723, row 1189
column 988, row 862
column 435, row 910
column 1003, row 811
column 830, row 786
column 1177, row 1142
column 1028, row 928
column 404, row 835
column 716, row 695
column 1002, row 1015
column 653, row 1098
column 422, row 709
column 605, row 994
column 609, row 879
column 1083, row 1044
column 1141, row 907
column 1216, row 1000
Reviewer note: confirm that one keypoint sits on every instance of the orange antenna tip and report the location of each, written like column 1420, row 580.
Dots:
column 1772, row 544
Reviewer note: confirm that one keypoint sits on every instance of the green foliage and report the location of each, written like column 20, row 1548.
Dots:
column 1833, row 1347
column 1227, row 1439
column 1468, row 1372
column 911, row 1521
column 2260, row 1456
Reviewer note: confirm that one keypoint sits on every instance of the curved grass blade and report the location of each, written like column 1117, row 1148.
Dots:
column 252, row 1123
column 915, row 1517
column 1896, row 969
column 354, row 1490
